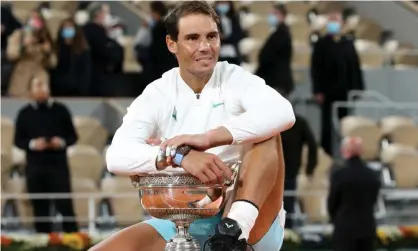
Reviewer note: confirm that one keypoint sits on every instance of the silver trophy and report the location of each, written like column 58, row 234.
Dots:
column 174, row 197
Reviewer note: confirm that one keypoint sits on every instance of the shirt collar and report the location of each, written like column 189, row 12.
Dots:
column 50, row 102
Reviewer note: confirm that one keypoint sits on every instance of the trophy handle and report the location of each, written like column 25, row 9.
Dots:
column 234, row 166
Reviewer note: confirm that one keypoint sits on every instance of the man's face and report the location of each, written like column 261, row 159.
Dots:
column 39, row 91
column 198, row 44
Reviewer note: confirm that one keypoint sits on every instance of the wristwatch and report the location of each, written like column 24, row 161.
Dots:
column 181, row 152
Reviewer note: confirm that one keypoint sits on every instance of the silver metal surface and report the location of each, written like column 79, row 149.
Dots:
column 174, row 197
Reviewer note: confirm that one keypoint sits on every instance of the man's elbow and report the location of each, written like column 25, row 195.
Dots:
column 287, row 117
column 113, row 161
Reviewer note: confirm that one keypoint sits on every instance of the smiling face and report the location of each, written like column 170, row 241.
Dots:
column 198, row 44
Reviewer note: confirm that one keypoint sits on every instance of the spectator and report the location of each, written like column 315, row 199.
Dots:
column 106, row 54
column 32, row 49
column 335, row 71
column 354, row 189
column 44, row 129
column 9, row 24
column 231, row 32
column 161, row 58
column 294, row 140
column 276, row 54
column 72, row 74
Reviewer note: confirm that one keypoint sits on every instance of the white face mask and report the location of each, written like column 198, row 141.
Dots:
column 108, row 19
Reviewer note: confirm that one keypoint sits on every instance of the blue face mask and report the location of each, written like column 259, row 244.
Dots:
column 68, row 32
column 333, row 27
column 272, row 20
column 222, row 8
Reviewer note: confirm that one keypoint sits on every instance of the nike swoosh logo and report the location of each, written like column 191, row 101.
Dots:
column 217, row 104
column 229, row 226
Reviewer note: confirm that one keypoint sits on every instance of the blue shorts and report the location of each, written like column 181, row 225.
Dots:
column 203, row 228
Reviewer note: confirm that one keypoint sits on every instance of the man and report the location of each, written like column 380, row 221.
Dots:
column 335, row 71
column 215, row 104
column 44, row 129
column 106, row 54
column 276, row 54
column 352, row 198
column 293, row 141
column 161, row 59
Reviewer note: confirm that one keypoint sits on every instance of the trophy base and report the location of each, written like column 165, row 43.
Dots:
column 183, row 241
column 182, row 244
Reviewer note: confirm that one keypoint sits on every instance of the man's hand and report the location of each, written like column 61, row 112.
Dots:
column 57, row 143
column 40, row 144
column 207, row 167
column 198, row 142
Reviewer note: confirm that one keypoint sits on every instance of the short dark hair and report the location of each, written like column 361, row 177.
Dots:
column 158, row 7
column 187, row 8
column 281, row 8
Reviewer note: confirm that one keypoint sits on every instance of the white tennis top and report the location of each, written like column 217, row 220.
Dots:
column 233, row 98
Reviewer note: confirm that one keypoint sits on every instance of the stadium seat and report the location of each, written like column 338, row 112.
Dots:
column 6, row 167
column 323, row 165
column 18, row 158
column 127, row 210
column 301, row 57
column 90, row 132
column 130, row 64
column 17, row 185
column 400, row 130
column 85, row 162
column 313, row 205
column 7, row 134
column 403, row 161
column 367, row 130
column 371, row 55
column 81, row 205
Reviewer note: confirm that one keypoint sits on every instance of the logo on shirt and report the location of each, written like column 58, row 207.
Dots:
column 174, row 115
column 214, row 105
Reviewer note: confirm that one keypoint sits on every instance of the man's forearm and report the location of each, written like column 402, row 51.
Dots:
column 219, row 137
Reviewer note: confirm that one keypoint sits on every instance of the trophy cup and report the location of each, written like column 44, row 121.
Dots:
column 172, row 196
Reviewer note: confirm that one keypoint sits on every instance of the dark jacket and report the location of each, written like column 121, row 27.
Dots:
column 335, row 66
column 275, row 60
column 352, row 197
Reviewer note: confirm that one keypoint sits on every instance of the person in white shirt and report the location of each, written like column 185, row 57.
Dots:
column 218, row 110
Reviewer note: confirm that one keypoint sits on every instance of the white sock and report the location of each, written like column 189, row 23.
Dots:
column 204, row 201
column 245, row 214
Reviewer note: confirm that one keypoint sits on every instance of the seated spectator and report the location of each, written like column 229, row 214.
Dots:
column 32, row 49
column 231, row 32
column 72, row 74
column 106, row 54
column 9, row 24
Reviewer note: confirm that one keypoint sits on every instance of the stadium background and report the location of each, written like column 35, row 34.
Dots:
column 387, row 109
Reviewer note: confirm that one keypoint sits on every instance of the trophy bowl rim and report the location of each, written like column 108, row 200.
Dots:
column 169, row 180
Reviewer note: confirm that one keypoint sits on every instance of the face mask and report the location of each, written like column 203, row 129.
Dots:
column 35, row 23
column 272, row 20
column 222, row 8
column 68, row 32
column 333, row 27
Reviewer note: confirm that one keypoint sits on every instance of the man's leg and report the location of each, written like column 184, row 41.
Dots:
column 289, row 201
column 60, row 183
column 259, row 193
column 36, row 182
column 139, row 237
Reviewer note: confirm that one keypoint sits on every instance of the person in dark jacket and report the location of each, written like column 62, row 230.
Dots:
column 231, row 32
column 274, row 60
column 354, row 189
column 72, row 73
column 294, row 140
column 107, row 55
column 44, row 129
column 335, row 71
column 161, row 58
